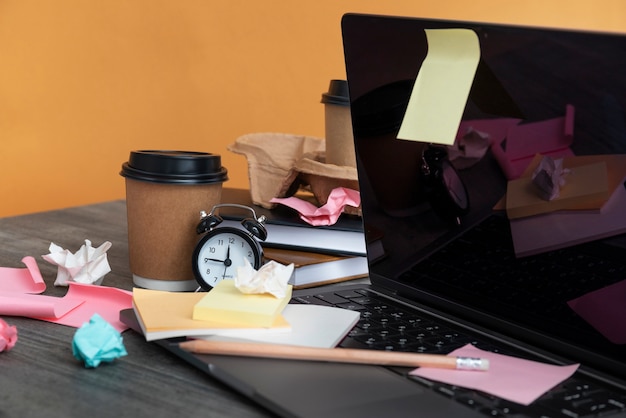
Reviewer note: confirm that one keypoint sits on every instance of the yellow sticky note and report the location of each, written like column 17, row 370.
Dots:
column 442, row 87
column 585, row 187
column 225, row 303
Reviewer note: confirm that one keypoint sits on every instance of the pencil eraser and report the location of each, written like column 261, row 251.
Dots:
column 472, row 363
column 225, row 303
column 484, row 364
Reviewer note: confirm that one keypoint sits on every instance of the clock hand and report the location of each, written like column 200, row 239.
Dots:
column 227, row 262
column 222, row 261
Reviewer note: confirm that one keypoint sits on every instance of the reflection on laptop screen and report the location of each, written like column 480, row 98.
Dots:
column 463, row 226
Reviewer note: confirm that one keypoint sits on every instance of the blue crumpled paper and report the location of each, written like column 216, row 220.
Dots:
column 97, row 341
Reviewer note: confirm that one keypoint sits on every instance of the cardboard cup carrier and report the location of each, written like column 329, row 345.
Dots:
column 165, row 192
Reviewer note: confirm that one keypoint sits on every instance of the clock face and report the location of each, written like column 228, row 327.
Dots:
column 454, row 185
column 220, row 252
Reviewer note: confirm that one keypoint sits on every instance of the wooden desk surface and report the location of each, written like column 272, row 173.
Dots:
column 40, row 376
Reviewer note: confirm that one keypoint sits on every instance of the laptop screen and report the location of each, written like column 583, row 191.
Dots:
column 519, row 224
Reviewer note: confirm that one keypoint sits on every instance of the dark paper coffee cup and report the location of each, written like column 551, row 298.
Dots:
column 377, row 117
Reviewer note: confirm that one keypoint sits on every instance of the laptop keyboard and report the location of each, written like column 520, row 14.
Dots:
column 388, row 325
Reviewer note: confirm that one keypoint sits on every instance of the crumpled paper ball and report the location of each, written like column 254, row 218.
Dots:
column 469, row 149
column 8, row 336
column 271, row 277
column 549, row 177
column 327, row 214
column 88, row 265
column 97, row 341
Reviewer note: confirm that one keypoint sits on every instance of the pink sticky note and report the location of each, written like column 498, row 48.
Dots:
column 105, row 301
column 511, row 378
column 326, row 214
column 605, row 310
column 22, row 280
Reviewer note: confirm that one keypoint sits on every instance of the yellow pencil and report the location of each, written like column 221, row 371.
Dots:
column 341, row 355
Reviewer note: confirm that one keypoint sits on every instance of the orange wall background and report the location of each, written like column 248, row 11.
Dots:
column 84, row 82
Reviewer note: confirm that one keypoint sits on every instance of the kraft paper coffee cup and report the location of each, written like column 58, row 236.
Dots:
column 165, row 192
column 338, row 125
column 392, row 165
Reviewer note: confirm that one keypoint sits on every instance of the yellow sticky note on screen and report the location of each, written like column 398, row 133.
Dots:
column 442, row 87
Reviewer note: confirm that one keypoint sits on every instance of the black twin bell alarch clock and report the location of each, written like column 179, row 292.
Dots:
column 223, row 249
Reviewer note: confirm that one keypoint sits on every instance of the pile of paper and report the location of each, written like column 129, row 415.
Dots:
column 170, row 314
column 590, row 205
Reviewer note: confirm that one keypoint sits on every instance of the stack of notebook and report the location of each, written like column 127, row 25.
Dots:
column 316, row 268
column 320, row 254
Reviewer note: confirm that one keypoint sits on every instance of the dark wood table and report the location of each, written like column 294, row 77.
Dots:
column 41, row 377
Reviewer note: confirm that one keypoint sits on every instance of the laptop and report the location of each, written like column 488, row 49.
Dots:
column 452, row 263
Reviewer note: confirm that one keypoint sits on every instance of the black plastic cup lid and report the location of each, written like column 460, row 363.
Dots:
column 177, row 167
column 337, row 94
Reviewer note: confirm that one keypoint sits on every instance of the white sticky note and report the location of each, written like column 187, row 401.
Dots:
column 442, row 87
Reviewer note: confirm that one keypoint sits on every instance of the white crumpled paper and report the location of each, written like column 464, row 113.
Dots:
column 88, row 265
column 271, row 278
column 469, row 149
column 549, row 177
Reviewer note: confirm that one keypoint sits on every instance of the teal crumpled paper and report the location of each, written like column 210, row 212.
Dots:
column 97, row 341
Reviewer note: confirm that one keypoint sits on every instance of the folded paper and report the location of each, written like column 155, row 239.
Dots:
column 522, row 141
column 22, row 280
column 329, row 213
column 17, row 298
column 272, row 278
column 8, row 336
column 106, row 301
column 88, row 265
column 37, row 306
column 97, row 341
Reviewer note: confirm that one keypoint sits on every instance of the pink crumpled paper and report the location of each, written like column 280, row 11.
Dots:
column 8, row 336
column 327, row 214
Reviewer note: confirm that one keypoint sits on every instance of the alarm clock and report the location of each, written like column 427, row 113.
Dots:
column 444, row 187
column 222, row 249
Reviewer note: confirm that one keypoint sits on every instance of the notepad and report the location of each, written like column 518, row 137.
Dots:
column 227, row 304
column 311, row 326
column 169, row 314
column 584, row 185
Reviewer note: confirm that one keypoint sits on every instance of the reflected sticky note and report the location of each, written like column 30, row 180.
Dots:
column 605, row 310
column 442, row 87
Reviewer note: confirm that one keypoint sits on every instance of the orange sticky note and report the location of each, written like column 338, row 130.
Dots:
column 586, row 186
